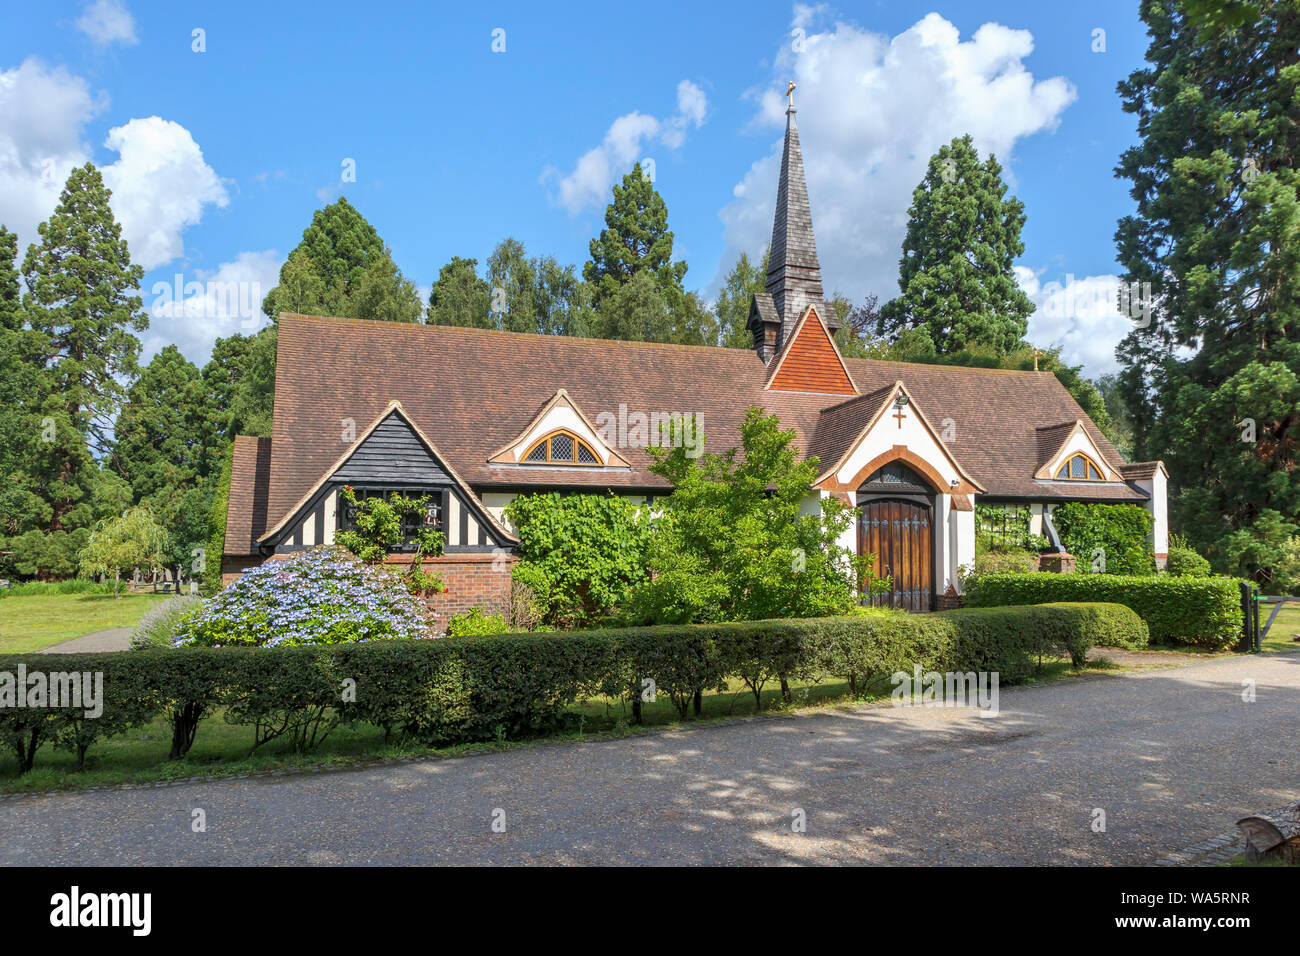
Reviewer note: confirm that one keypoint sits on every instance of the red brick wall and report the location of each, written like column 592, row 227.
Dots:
column 232, row 566
column 470, row 581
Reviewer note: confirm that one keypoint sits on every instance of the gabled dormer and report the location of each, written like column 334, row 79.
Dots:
column 559, row 436
column 1066, row 452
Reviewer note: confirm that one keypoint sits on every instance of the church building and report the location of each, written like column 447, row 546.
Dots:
column 475, row 417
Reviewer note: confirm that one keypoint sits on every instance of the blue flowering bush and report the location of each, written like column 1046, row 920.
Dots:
column 321, row 596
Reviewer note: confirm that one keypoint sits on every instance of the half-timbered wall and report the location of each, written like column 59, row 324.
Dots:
column 391, row 458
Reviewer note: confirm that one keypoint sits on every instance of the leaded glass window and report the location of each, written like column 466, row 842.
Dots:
column 562, row 448
column 1078, row 467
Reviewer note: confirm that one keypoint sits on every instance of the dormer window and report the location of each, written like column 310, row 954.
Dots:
column 1078, row 467
column 561, row 448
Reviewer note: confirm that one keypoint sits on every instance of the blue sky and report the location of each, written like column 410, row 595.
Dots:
column 218, row 158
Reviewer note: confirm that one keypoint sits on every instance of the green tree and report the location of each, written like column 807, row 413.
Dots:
column 694, row 322
column 124, row 544
column 511, row 271
column 82, row 308
column 385, row 294
column 963, row 233
column 460, row 297
column 1211, row 378
column 635, row 239
column 334, row 253
column 734, row 541
column 18, row 382
column 742, row 283
column 239, row 381
column 169, row 446
column 564, row 301
column 583, row 555
column 637, row 311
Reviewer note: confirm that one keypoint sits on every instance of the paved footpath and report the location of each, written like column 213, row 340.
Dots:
column 116, row 639
column 1173, row 756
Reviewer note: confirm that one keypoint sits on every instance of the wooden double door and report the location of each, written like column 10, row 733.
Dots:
column 900, row 533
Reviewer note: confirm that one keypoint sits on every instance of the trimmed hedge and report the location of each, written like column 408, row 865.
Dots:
column 478, row 688
column 1199, row 612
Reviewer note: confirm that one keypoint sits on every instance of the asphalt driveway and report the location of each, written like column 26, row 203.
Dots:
column 1172, row 756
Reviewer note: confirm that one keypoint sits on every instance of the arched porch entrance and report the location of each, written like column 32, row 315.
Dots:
column 897, row 508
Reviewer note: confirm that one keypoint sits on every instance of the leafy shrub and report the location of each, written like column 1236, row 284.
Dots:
column 320, row 596
column 1106, row 625
column 582, row 554
column 1286, row 571
column 162, row 622
column 1200, row 612
column 68, row 586
column 525, row 609
column 997, row 562
column 1121, row 532
column 465, row 688
column 476, row 621
column 735, row 541
column 1183, row 561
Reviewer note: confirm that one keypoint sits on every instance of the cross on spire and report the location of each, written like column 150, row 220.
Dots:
column 789, row 93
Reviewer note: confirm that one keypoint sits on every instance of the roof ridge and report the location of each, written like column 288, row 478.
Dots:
column 969, row 368
column 422, row 326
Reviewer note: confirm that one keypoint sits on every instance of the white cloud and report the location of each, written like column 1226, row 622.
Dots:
column 42, row 113
column 596, row 170
column 108, row 21
column 160, row 185
column 160, row 182
column 872, row 110
column 192, row 309
column 1079, row 314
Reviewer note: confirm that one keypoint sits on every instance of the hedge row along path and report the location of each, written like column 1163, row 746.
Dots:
column 1173, row 756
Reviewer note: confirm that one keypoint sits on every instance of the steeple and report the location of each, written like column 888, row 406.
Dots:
column 794, row 275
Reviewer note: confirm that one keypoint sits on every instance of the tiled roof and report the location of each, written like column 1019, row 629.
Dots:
column 1050, row 440
column 1139, row 470
column 472, row 392
column 250, row 466
column 839, row 425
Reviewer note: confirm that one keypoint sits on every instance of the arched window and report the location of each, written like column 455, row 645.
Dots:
column 561, row 448
column 895, row 476
column 1078, row 467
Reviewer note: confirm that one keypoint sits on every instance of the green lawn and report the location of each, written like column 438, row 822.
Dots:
column 30, row 622
column 1281, row 636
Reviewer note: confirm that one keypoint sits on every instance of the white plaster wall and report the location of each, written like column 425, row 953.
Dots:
column 964, row 528
column 887, row 434
column 495, row 502
column 1079, row 441
column 945, row 569
column 561, row 416
column 1158, row 506
column 331, row 517
column 1036, row 519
